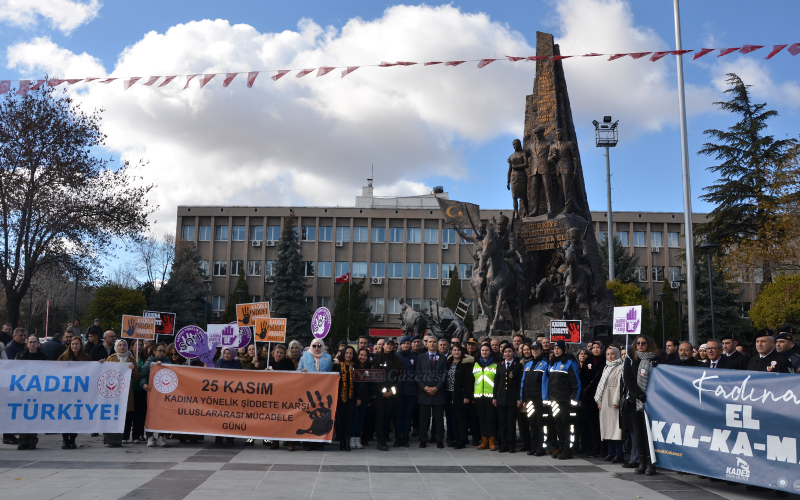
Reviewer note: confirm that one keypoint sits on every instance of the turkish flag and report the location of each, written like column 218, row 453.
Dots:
column 406, row 63
column 384, row 64
column 39, row 83
column 616, row 56
column 639, row 55
column 514, row 59
column 304, row 72
column 251, row 78
column 776, row 49
column 188, row 79
column 485, row 62
column 725, row 52
column 703, row 52
column 325, row 70
column 345, row 278
column 128, row 82
column 5, row 85
column 167, row 80
column 431, row 63
column 279, row 74
column 454, row 63
column 205, row 79
column 349, row 70
column 24, row 87
column 228, row 79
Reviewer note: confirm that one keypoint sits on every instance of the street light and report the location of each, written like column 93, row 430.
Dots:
column 606, row 136
column 30, row 307
column 208, row 284
column 77, row 272
column 663, row 324
column 677, row 286
column 709, row 249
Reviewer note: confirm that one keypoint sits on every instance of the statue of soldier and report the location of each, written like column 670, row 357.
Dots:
column 478, row 280
column 539, row 178
column 575, row 239
column 508, row 240
column 518, row 164
column 564, row 155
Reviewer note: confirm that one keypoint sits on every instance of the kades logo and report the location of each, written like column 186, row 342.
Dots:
column 741, row 472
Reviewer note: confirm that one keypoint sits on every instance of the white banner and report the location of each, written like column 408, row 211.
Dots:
column 63, row 396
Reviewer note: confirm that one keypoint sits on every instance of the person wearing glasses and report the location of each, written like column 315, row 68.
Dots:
column 715, row 358
column 158, row 357
column 31, row 353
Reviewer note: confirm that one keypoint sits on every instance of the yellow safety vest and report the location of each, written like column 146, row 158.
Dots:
column 484, row 380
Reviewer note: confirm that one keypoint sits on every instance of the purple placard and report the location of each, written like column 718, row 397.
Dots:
column 321, row 322
column 192, row 342
column 236, row 340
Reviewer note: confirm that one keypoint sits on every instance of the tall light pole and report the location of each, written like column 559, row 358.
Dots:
column 606, row 136
column 680, row 307
column 30, row 307
column 709, row 248
column 687, row 188
column 663, row 322
column 208, row 284
column 75, row 295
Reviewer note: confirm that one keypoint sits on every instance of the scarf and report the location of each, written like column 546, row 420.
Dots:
column 485, row 362
column 643, row 374
column 606, row 372
column 122, row 357
column 346, row 377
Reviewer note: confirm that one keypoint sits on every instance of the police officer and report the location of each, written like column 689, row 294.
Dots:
column 387, row 392
column 784, row 344
column 563, row 391
column 506, row 398
column 409, row 399
column 790, row 330
column 738, row 361
column 768, row 359
column 534, row 377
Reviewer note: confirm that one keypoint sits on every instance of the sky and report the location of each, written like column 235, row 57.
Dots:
column 313, row 141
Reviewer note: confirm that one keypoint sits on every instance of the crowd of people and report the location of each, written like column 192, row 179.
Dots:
column 549, row 397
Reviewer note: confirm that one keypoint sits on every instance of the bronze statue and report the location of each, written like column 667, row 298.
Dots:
column 478, row 280
column 412, row 322
column 578, row 276
column 518, row 164
column 564, row 155
column 540, row 172
column 504, row 277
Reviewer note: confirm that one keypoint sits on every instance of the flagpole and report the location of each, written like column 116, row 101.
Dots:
column 348, row 309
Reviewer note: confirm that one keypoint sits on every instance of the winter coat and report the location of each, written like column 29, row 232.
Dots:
column 144, row 375
column 101, row 352
column 409, row 360
column 53, row 348
column 428, row 375
column 363, row 390
column 534, row 379
column 463, row 381
column 26, row 355
column 507, row 383
column 307, row 362
column 689, row 362
column 284, row 365
column 247, row 362
column 12, row 349
column 563, row 381
column 392, row 373
column 591, row 372
column 774, row 362
column 233, row 364
column 134, row 375
column 609, row 416
column 738, row 360
column 96, row 330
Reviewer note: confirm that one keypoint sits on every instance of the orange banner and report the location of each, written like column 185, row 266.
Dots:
column 242, row 403
column 246, row 314
column 271, row 330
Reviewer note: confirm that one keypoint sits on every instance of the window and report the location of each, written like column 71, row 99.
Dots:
column 448, row 270
column 602, row 237
column 415, row 303
column 254, row 268
column 308, row 269
column 623, row 238
column 448, row 235
column 658, row 273
column 377, row 305
column 220, row 268
column 309, row 303
column 255, row 298
column 308, row 233
column 395, row 269
column 379, row 235
column 236, row 267
column 674, row 273
column 217, row 303
column 269, row 268
column 203, row 265
column 324, row 269
column 204, row 234
column 467, row 232
column 342, row 234
column 642, row 272
column 274, row 233
column 655, row 239
column 431, row 235
column 465, row 271
column 238, row 233
column 324, row 302
column 639, row 239
column 426, row 303
column 413, row 270
column 221, row 233
column 325, row 233
column 744, row 307
column 431, row 271
column 342, row 268
column 395, row 235
column 359, row 269
column 187, row 233
column 361, row 234
column 673, row 240
column 394, row 306
column 377, row 270
column 256, row 233
column 414, row 235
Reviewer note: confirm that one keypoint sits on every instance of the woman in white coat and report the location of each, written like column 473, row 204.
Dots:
column 607, row 399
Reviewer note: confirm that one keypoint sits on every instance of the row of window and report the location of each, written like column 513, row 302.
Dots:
column 658, row 273
column 325, row 233
column 376, row 305
column 640, row 238
column 323, row 269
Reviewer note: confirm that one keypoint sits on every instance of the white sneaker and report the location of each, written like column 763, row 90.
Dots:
column 151, row 442
column 358, row 443
column 126, row 441
column 352, row 442
column 161, row 441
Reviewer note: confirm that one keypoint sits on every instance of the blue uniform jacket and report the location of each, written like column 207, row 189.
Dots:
column 543, row 367
column 564, row 381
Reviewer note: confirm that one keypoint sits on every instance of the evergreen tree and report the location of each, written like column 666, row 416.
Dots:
column 669, row 328
column 629, row 294
column 289, row 291
column 727, row 309
column 184, row 293
column 625, row 263
column 111, row 301
column 454, row 294
column 352, row 308
column 745, row 199
column 778, row 303
column 235, row 298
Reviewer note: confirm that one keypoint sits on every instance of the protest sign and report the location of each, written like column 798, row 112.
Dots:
column 568, row 330
column 67, row 396
column 138, row 327
column 270, row 330
column 165, row 321
column 727, row 424
column 242, row 403
column 321, row 322
column 627, row 321
column 230, row 335
column 192, row 342
column 246, row 314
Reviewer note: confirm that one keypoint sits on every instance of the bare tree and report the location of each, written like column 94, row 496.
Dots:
column 155, row 257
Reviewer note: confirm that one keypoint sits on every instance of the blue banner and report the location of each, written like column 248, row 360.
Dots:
column 728, row 424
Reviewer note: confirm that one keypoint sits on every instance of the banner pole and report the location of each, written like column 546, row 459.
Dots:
column 649, row 439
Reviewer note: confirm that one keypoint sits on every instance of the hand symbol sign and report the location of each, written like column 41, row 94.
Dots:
column 246, row 315
column 321, row 418
column 262, row 334
column 199, row 343
column 131, row 328
column 167, row 325
column 319, row 325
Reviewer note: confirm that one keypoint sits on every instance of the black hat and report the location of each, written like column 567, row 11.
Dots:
column 766, row 332
column 536, row 345
column 472, row 341
column 784, row 336
column 389, row 340
column 562, row 345
column 728, row 336
column 415, row 337
column 787, row 329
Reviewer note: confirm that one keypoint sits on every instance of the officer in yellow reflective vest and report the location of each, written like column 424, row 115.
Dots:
column 483, row 373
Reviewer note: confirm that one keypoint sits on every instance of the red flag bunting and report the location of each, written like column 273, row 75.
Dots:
column 73, row 82
column 304, row 72
column 5, row 86
column 54, row 82
column 775, row 50
column 703, row 52
column 558, row 58
column 349, row 70
column 167, row 80
column 24, row 87
column 107, row 80
column 39, row 83
column 406, row 63
column 279, row 75
column 485, row 62
column 639, row 55
column 658, row 55
column 127, row 83
column 593, row 54
column 91, row 79
column 680, row 52
column 746, row 49
column 794, row 49
column 384, row 64
column 514, row 59
column 189, row 78
column 537, row 58
column 431, row 63
column 725, row 52
column 616, row 56
column 228, row 79
column 324, row 70
column 454, row 63
column 251, row 78
column 151, row 81
column 206, row 79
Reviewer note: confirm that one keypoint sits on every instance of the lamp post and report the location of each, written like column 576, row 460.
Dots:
column 77, row 271
column 663, row 323
column 606, row 136
column 680, row 307
column 30, row 306
column 709, row 249
column 208, row 284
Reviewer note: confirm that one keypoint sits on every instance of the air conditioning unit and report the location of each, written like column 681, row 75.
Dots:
column 377, row 281
column 270, row 243
column 256, row 243
column 340, row 243
column 446, row 282
column 675, row 285
column 445, row 246
column 656, row 249
column 269, row 279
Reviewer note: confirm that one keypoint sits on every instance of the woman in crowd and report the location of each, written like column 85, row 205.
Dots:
column 279, row 361
column 387, row 392
column 636, row 375
column 459, row 392
column 158, row 357
column 227, row 360
column 122, row 355
column 174, row 356
column 347, row 397
column 32, row 352
column 295, row 352
column 483, row 373
column 607, row 398
column 591, row 373
column 75, row 352
column 702, row 353
column 363, row 395
column 582, row 441
column 315, row 359
column 252, row 361
column 523, row 425
column 563, row 392
column 505, row 397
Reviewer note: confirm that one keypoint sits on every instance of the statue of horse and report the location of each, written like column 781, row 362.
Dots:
column 412, row 322
column 576, row 285
column 500, row 283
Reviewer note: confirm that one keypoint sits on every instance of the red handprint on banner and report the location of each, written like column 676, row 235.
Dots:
column 574, row 329
column 167, row 324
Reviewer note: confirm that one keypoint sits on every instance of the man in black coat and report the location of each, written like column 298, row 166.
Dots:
column 768, row 359
column 431, row 371
column 53, row 347
column 95, row 329
column 715, row 357
column 685, row 357
column 737, row 359
column 506, row 398
column 105, row 348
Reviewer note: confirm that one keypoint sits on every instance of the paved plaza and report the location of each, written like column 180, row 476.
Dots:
column 203, row 471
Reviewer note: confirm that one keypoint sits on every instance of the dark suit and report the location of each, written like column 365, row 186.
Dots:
column 506, row 394
column 100, row 352
column 539, row 180
column 689, row 362
column 431, row 373
column 737, row 360
column 722, row 362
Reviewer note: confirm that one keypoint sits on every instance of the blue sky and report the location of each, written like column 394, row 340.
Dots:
column 312, row 141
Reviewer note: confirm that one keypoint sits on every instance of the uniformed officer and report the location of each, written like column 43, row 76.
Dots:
column 506, row 398
column 768, row 359
column 738, row 361
column 784, row 344
column 534, row 377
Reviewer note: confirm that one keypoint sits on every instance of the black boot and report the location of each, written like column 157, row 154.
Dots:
column 72, row 444
column 405, row 440
column 642, row 465
column 651, row 469
column 65, row 443
column 397, row 438
column 382, row 446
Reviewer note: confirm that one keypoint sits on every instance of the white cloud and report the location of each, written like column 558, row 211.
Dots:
column 755, row 72
column 64, row 15
column 42, row 56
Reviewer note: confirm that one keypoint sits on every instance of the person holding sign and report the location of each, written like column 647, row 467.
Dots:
column 31, row 353
column 122, row 355
column 74, row 352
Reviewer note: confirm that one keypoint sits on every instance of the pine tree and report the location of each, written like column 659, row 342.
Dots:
column 352, row 307
column 235, row 298
column 454, row 294
column 289, row 291
column 745, row 199
column 184, row 292
column 625, row 263
column 727, row 309
column 669, row 328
